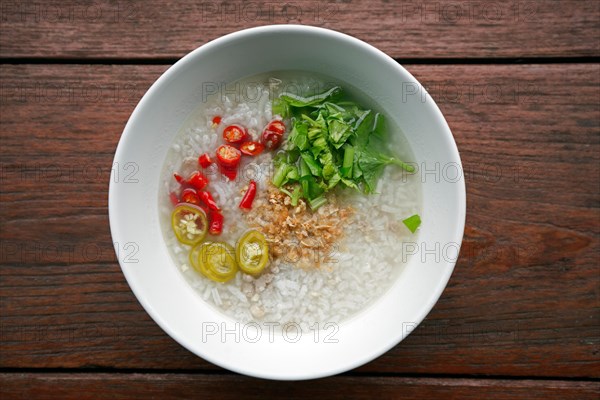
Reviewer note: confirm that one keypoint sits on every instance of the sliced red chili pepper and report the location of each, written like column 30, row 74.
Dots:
column 271, row 139
column 228, row 155
column 173, row 198
column 235, row 134
column 229, row 158
column 276, row 126
column 229, row 172
column 204, row 160
column 179, row 178
column 216, row 223
column 203, row 207
column 190, row 196
column 272, row 135
column 216, row 120
column 207, row 198
column 197, row 180
column 252, row 148
column 246, row 203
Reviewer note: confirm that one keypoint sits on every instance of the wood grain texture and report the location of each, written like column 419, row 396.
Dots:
column 403, row 29
column 524, row 298
column 184, row 386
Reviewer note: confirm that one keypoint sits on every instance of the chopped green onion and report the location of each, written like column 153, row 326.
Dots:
column 316, row 203
column 315, row 168
column 292, row 174
column 285, row 191
column 280, row 174
column 303, row 169
column 348, row 161
column 296, row 195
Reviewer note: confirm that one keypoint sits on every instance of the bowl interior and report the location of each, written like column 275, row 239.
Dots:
column 251, row 349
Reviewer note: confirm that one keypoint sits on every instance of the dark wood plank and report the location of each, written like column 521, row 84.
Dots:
column 183, row 386
column 403, row 29
column 523, row 299
column 80, row 316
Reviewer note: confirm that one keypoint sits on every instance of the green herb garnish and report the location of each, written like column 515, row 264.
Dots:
column 412, row 222
column 332, row 142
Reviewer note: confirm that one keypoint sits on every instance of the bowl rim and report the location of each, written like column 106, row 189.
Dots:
column 425, row 309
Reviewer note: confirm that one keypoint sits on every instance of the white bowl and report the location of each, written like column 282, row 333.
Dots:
column 169, row 299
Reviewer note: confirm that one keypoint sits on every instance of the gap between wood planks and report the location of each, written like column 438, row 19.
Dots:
column 349, row 374
column 417, row 61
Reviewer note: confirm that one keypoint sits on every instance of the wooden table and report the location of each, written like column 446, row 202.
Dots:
column 520, row 88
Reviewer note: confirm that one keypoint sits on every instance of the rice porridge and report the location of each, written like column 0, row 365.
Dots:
column 332, row 212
